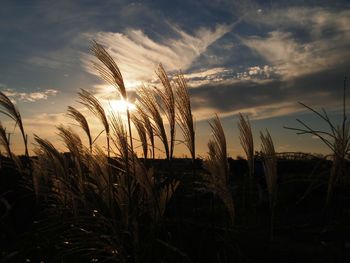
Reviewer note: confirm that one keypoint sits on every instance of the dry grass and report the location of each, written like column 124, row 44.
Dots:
column 168, row 104
column 50, row 172
column 337, row 139
column 148, row 102
column 270, row 166
column 141, row 130
column 81, row 120
column 184, row 114
column 109, row 70
column 95, row 107
column 247, row 142
column 4, row 141
column 217, row 181
column 120, row 138
column 270, row 169
column 71, row 140
column 148, row 127
column 10, row 110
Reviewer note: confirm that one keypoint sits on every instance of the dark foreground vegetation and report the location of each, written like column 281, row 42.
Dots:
column 195, row 227
column 95, row 205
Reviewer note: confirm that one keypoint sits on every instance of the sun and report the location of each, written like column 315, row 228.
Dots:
column 121, row 105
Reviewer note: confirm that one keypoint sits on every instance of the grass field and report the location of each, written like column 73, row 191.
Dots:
column 105, row 203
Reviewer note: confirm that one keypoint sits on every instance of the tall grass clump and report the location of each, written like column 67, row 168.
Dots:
column 50, row 171
column 148, row 103
column 168, row 104
column 96, row 108
column 247, row 143
column 184, row 114
column 147, row 124
column 217, row 180
column 125, row 180
column 74, row 187
column 110, row 72
column 10, row 110
column 141, row 130
column 337, row 139
column 270, row 169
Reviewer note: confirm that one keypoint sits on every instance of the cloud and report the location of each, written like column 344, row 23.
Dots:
column 222, row 75
column 266, row 98
column 314, row 19
column 30, row 96
column 289, row 57
column 138, row 55
column 322, row 46
column 303, row 56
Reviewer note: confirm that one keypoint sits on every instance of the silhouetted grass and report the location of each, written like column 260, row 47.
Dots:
column 96, row 205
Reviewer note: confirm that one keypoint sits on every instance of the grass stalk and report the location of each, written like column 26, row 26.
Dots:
column 217, row 180
column 81, row 120
column 10, row 110
column 270, row 169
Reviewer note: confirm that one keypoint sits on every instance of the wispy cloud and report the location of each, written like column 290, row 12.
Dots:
column 323, row 45
column 224, row 75
column 266, row 98
column 30, row 96
column 137, row 54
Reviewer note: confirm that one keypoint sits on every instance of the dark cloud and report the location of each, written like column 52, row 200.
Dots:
column 322, row 88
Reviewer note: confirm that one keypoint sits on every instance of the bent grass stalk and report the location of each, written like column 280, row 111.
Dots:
column 141, row 130
column 336, row 138
column 247, row 143
column 217, row 181
column 184, row 114
column 168, row 104
column 146, row 122
column 95, row 107
column 149, row 105
column 110, row 72
column 81, row 120
column 10, row 110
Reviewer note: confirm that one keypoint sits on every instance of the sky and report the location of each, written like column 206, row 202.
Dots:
column 259, row 58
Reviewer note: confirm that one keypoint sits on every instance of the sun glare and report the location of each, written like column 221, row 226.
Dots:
column 121, row 106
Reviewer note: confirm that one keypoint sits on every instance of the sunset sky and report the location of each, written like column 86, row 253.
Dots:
column 255, row 57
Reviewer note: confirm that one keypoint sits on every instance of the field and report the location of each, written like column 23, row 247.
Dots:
column 105, row 203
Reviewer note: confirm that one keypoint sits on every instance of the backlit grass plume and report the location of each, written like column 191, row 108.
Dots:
column 148, row 103
column 218, row 145
column 81, row 120
column 247, row 143
column 95, row 107
column 147, row 125
column 109, row 70
column 168, row 101
column 10, row 110
column 141, row 130
column 50, row 168
column 120, row 135
column 71, row 140
column 125, row 178
column 217, row 181
column 246, row 140
column 184, row 114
